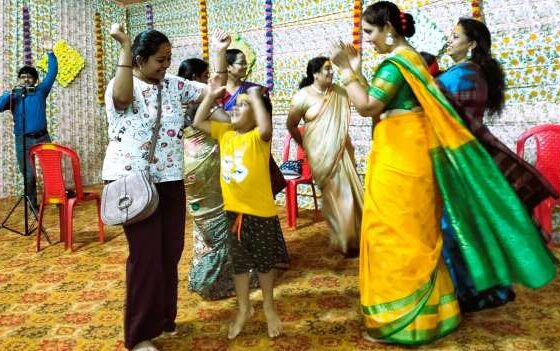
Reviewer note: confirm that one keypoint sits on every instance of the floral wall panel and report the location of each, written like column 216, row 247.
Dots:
column 73, row 115
column 526, row 45
column 178, row 20
column 525, row 36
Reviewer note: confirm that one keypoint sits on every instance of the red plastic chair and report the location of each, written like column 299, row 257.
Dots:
column 547, row 139
column 49, row 157
column 291, row 188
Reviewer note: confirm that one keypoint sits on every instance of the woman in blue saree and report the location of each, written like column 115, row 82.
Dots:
column 467, row 85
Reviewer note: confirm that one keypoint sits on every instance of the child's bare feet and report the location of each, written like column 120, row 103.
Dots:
column 239, row 322
column 273, row 322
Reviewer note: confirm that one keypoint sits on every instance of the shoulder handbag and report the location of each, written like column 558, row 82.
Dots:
column 133, row 197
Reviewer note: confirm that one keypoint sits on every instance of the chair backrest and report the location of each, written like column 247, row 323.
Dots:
column 547, row 139
column 50, row 157
column 300, row 153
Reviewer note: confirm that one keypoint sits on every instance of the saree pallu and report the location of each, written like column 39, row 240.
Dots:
column 211, row 273
column 465, row 88
column 331, row 157
column 497, row 237
column 406, row 293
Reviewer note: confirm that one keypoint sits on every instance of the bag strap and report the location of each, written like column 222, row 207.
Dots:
column 155, row 131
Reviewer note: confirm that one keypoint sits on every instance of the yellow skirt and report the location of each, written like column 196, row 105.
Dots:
column 406, row 293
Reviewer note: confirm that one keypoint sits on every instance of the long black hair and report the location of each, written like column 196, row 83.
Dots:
column 383, row 12
column 481, row 55
column 192, row 68
column 313, row 66
column 147, row 43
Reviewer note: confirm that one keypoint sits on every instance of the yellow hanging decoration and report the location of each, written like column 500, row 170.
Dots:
column 70, row 62
column 99, row 59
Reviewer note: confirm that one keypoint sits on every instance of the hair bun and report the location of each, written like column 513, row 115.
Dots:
column 410, row 28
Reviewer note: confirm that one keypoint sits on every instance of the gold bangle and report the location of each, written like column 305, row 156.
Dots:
column 212, row 110
column 126, row 66
column 220, row 72
column 351, row 78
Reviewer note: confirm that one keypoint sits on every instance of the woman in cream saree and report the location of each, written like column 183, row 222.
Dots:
column 325, row 109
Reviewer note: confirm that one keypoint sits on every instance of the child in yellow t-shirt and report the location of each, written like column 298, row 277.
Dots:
column 256, row 241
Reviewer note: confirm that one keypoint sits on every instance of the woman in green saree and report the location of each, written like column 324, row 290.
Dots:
column 424, row 158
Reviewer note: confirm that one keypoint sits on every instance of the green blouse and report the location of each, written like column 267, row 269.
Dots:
column 390, row 87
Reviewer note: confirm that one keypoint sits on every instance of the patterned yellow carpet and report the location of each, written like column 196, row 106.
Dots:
column 56, row 300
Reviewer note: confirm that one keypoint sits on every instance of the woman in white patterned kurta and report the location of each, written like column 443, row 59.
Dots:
column 156, row 243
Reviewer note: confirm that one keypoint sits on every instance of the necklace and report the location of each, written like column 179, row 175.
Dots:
column 318, row 91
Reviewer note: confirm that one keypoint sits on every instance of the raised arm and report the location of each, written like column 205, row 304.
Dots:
column 208, row 106
column 52, row 71
column 123, row 86
column 262, row 117
column 366, row 105
column 222, row 40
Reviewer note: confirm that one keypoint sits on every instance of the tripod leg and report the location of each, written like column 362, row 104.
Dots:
column 5, row 226
column 11, row 211
column 43, row 231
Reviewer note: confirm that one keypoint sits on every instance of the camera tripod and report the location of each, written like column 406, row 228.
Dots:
column 27, row 230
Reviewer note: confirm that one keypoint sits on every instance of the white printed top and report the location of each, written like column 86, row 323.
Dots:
column 130, row 131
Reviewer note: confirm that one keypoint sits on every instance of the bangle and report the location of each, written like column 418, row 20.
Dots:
column 220, row 72
column 212, row 110
column 351, row 78
column 127, row 66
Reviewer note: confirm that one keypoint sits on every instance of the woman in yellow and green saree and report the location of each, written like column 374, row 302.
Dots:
column 424, row 158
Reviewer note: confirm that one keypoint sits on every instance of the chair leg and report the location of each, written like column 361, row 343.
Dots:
column 543, row 216
column 99, row 221
column 69, row 224
column 40, row 226
column 291, row 202
column 62, row 221
column 315, row 202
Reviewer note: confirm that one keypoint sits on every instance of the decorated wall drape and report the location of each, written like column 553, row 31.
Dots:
column 74, row 116
column 525, row 36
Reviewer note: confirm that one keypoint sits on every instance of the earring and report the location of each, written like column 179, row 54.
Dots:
column 389, row 41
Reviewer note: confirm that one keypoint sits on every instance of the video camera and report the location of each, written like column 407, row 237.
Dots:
column 23, row 90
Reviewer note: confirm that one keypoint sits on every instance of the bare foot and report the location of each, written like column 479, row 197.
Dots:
column 273, row 322
column 239, row 322
column 366, row 336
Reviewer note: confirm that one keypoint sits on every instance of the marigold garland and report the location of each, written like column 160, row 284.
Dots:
column 70, row 62
column 203, row 17
column 27, row 59
column 269, row 47
column 99, row 58
column 356, row 29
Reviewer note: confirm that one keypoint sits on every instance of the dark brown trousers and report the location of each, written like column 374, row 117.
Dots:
column 155, row 247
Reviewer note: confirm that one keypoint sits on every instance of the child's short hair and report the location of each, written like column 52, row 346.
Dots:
column 266, row 101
